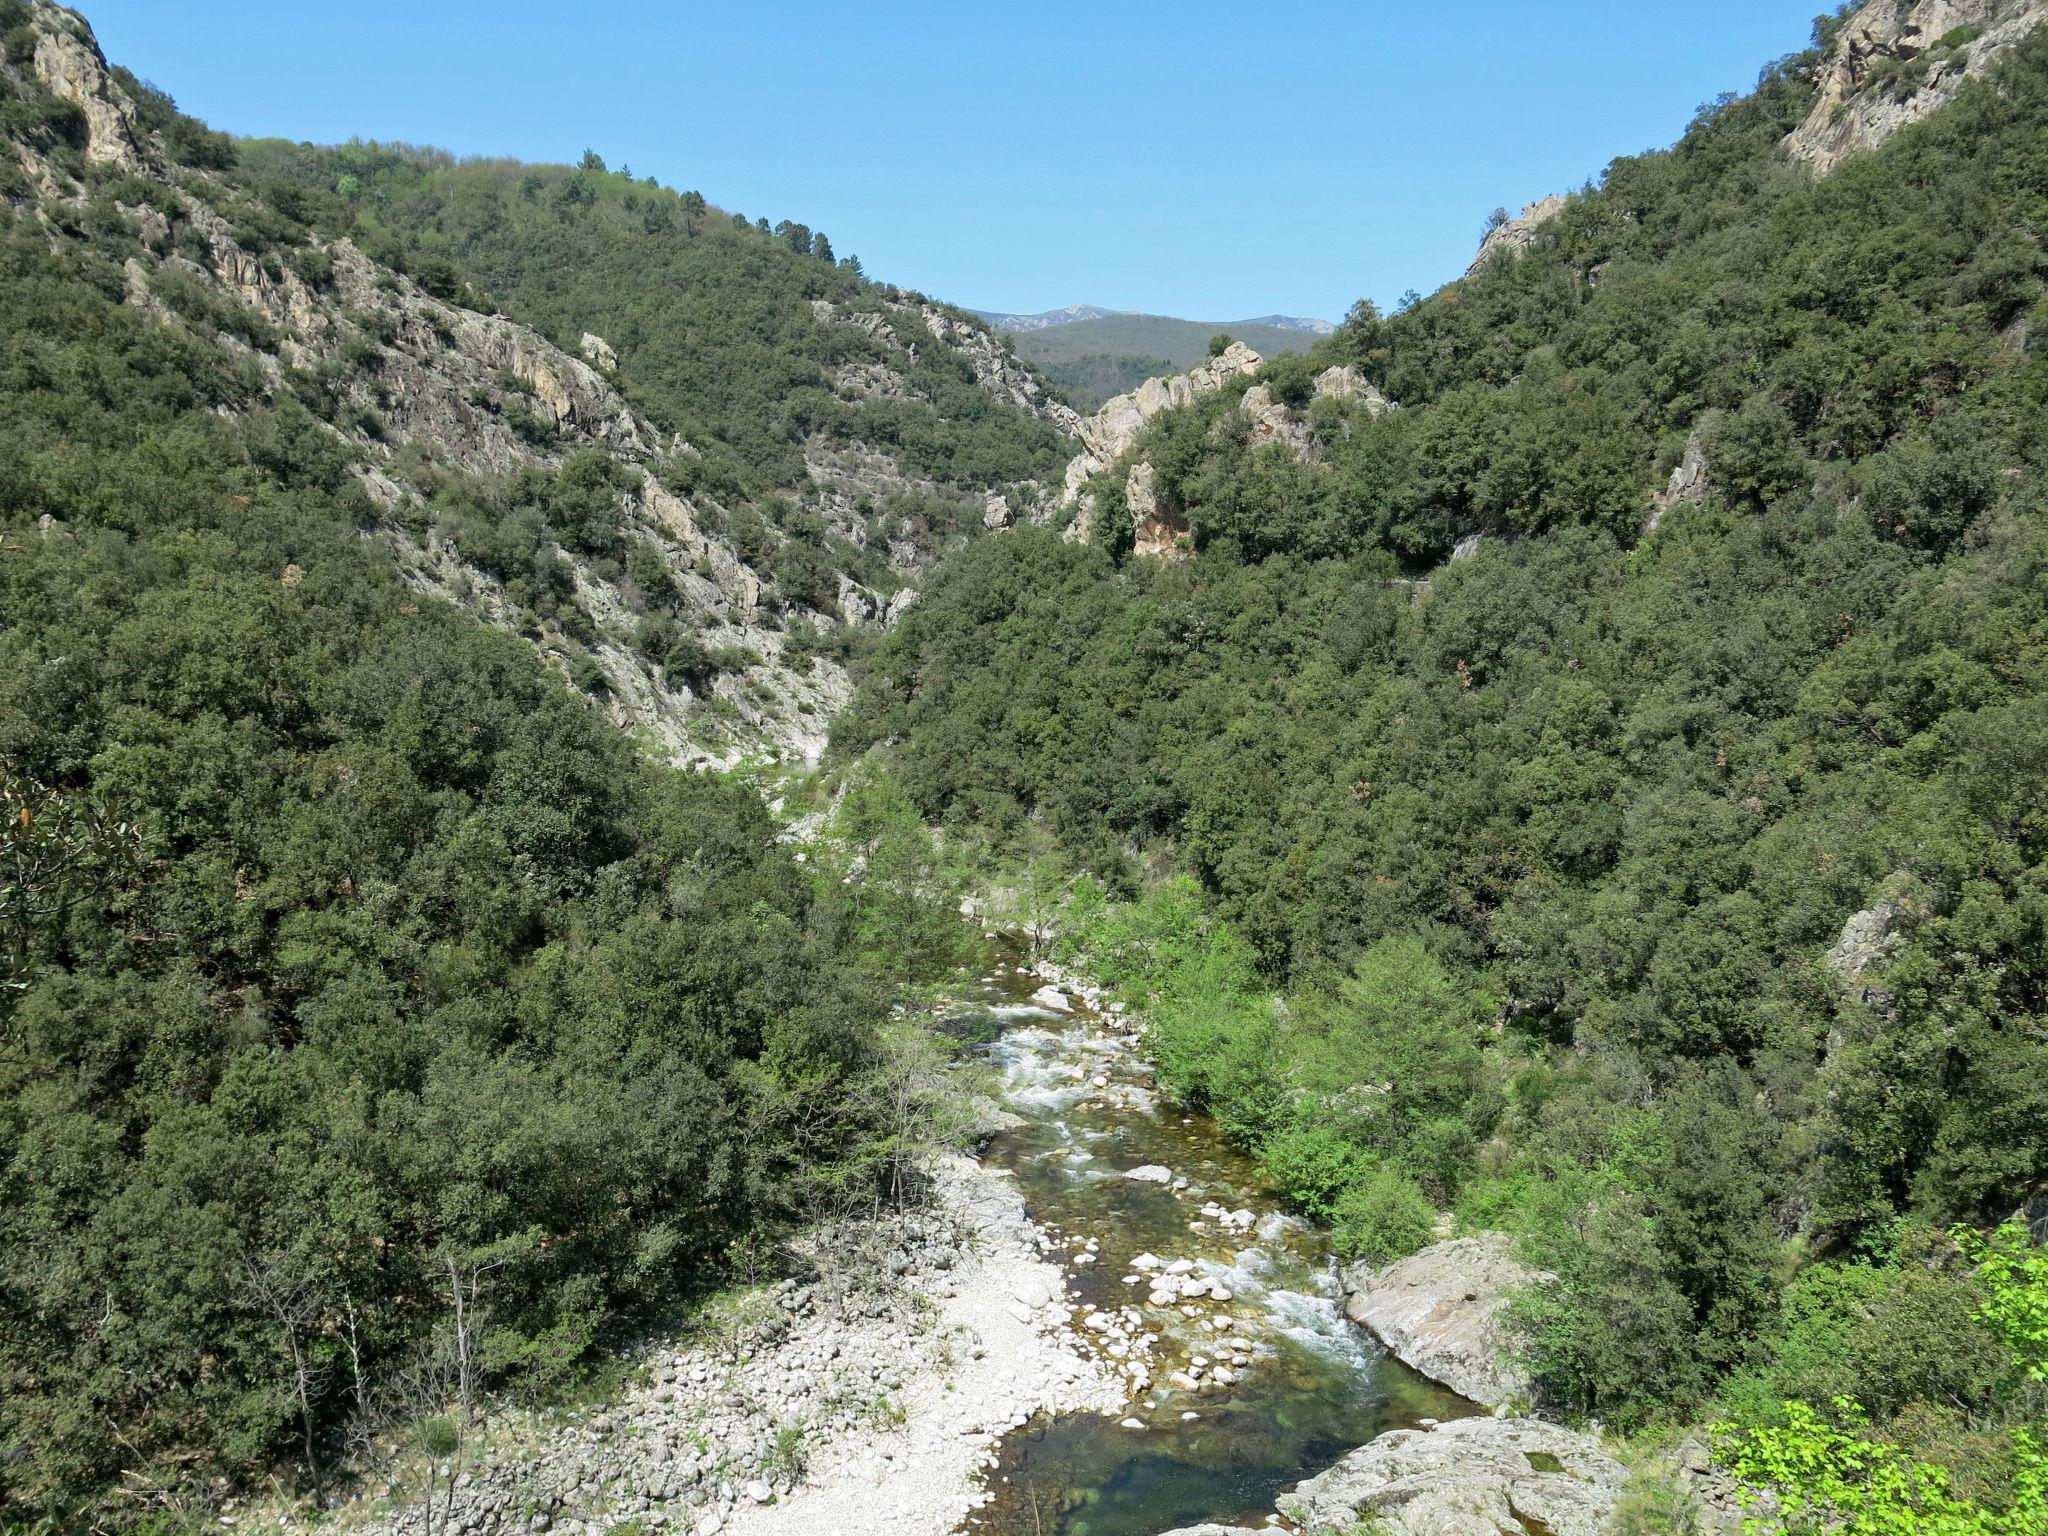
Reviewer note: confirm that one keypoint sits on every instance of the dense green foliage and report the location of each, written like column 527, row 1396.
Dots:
column 711, row 317
column 1549, row 847
column 1830, row 1472
column 1088, row 381
column 354, row 968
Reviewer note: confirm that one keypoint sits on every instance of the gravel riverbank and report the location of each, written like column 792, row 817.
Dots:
column 841, row 1405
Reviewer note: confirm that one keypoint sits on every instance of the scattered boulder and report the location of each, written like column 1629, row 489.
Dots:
column 1470, row 1477
column 1153, row 1173
column 1442, row 1311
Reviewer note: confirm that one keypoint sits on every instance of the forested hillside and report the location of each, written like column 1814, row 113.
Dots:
column 379, row 1024
column 753, row 341
column 1651, row 864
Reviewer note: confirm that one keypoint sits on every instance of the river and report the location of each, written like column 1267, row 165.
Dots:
column 1244, row 1395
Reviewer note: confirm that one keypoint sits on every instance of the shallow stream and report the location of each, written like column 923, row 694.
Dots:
column 1248, row 1386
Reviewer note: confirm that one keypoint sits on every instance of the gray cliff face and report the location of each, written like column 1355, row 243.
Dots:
column 418, row 380
column 1444, row 1312
column 1896, row 62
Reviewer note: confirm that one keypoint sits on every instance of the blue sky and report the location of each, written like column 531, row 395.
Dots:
column 1216, row 161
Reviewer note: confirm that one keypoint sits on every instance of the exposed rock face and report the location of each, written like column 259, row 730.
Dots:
column 464, row 391
column 1897, row 61
column 1157, row 530
column 1470, row 1477
column 69, row 63
column 1270, row 421
column 1443, row 1312
column 1161, row 529
column 598, row 353
column 1868, row 938
column 1517, row 234
column 1688, row 483
column 996, row 368
column 1108, row 435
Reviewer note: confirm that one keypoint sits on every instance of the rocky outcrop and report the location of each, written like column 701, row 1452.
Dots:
column 415, row 388
column 1270, row 421
column 1443, row 1311
column 69, row 64
column 1157, row 530
column 1112, row 431
column 1896, row 62
column 1470, row 1477
column 996, row 368
column 1860, row 951
column 1160, row 530
column 1688, row 483
column 1516, row 235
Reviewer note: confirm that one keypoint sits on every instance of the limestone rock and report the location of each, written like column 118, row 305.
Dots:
column 1468, row 1477
column 1888, row 68
column 1109, row 434
column 1517, row 234
column 1442, row 1311
column 1688, row 482
column 1343, row 382
column 598, row 352
column 69, row 63
column 1158, row 530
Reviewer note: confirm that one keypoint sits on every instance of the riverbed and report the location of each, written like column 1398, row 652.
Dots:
column 1222, row 1313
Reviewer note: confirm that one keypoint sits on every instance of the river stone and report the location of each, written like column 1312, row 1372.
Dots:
column 1471, row 1477
column 1150, row 1173
column 1033, row 1291
column 1442, row 1311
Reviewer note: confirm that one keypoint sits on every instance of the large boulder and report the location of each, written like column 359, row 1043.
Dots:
column 1443, row 1311
column 1470, row 1477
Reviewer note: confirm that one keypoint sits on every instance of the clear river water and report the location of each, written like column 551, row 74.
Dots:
column 1298, row 1385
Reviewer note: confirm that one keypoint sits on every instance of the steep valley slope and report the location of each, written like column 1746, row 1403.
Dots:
column 1555, row 774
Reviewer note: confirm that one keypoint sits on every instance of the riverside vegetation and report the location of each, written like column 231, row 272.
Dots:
column 1665, row 887
column 1510, row 884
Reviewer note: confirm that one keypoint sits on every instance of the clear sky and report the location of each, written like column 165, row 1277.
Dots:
column 1211, row 160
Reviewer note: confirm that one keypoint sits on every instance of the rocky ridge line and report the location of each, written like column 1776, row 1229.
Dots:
column 422, row 387
column 1109, row 436
column 1898, row 61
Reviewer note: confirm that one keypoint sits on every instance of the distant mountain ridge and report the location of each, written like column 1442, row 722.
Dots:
column 1045, row 319
column 1091, row 354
